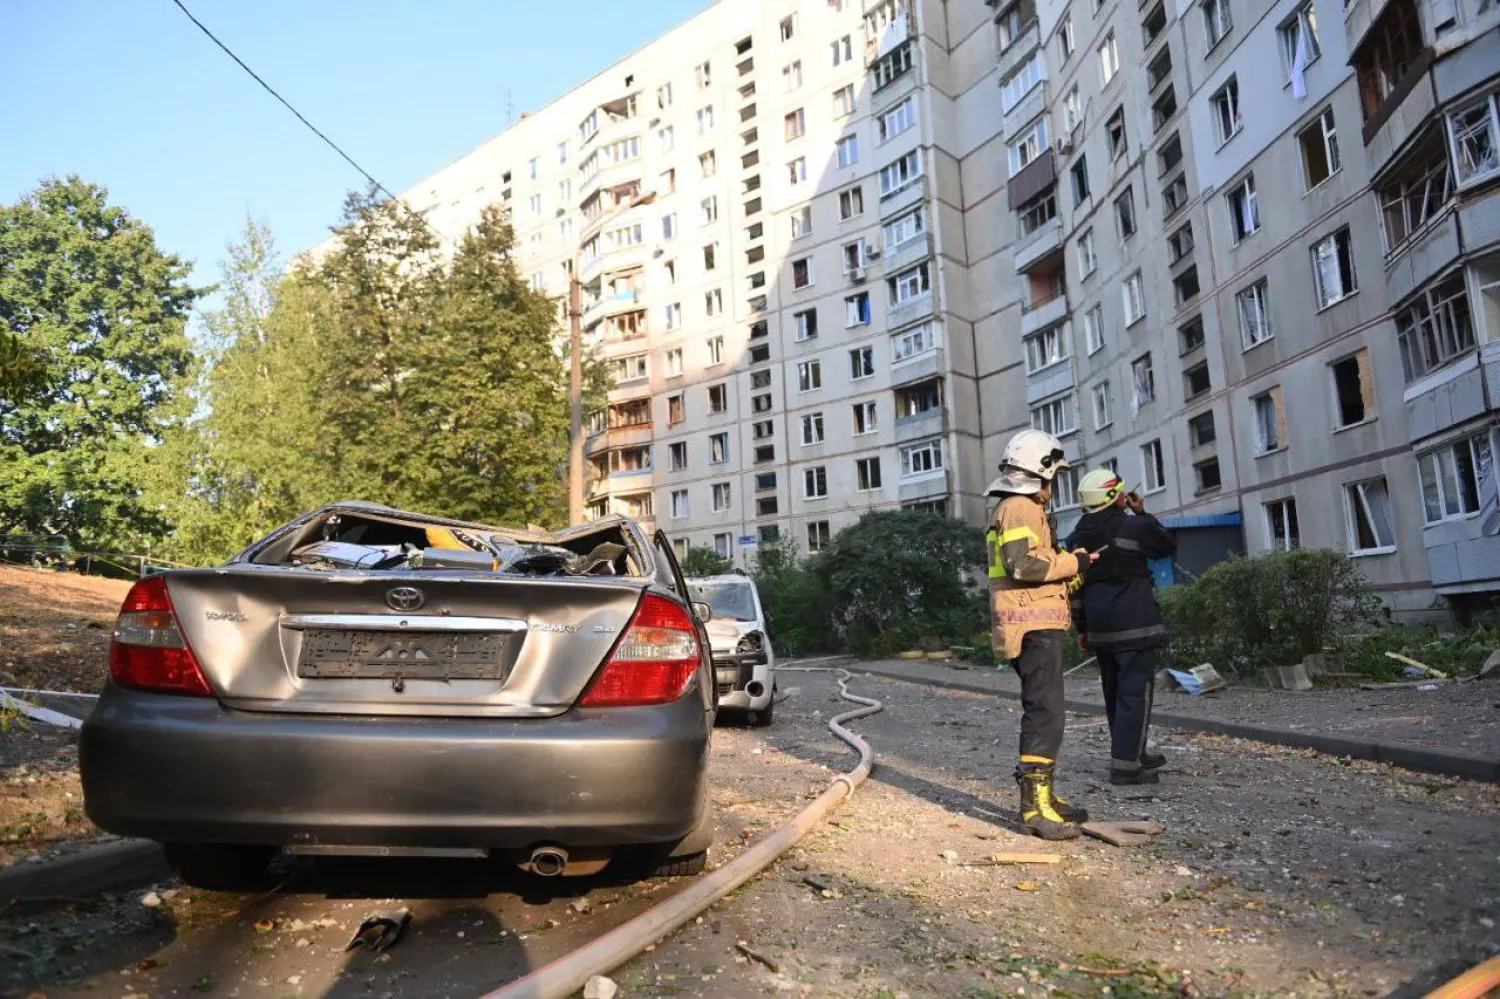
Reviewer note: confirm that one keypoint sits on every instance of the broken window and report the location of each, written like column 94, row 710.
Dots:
column 1452, row 477
column 718, row 449
column 1175, row 197
column 1390, row 50
column 1037, row 212
column 1143, row 380
column 1353, row 389
column 679, row 504
column 909, row 284
column 1185, row 286
column 1475, row 133
column 718, row 398
column 1045, row 349
column 1104, row 406
column 1125, row 214
column 1201, row 429
column 922, row 459
column 817, row 535
column 794, row 124
column 1180, row 243
column 1216, row 20
column 765, row 453
column 1207, row 475
column 857, row 310
column 1320, row 150
column 1133, row 294
column 761, row 403
column 1163, row 109
column 763, row 430
column 809, row 376
column 1300, row 47
column 843, row 101
column 861, row 363
column 1109, row 60
column 812, row 429
column 1093, row 329
column 1368, row 508
column 1155, row 23
column 806, row 324
column 1244, row 209
column 1114, row 128
column 1282, row 533
column 1057, row 417
column 1270, row 421
column 677, row 456
column 675, row 410
column 1014, row 88
column 864, row 418
column 1080, row 177
column 1160, row 68
column 1416, row 192
column 1255, row 314
column 1333, row 268
column 893, row 65
column 1088, row 259
column 1196, row 380
column 1436, row 328
column 1226, row 110
column 721, row 496
column 867, row 474
column 1153, row 466
column 815, row 482
column 767, row 506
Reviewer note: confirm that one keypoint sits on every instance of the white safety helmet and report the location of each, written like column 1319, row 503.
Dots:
column 1031, row 459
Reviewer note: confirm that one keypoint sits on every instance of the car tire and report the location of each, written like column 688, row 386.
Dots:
column 679, row 867
column 219, row 866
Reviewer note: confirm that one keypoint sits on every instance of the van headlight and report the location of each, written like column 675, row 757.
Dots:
column 751, row 642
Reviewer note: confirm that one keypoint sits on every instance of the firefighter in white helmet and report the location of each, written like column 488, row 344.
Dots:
column 1029, row 583
column 1117, row 618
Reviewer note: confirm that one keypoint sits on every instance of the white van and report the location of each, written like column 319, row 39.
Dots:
column 740, row 643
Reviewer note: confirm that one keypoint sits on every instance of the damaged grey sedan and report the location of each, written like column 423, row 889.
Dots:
column 368, row 681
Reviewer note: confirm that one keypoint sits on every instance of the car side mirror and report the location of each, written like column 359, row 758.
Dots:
column 702, row 611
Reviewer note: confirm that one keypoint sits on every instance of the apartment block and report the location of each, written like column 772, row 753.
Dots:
column 835, row 253
column 1254, row 279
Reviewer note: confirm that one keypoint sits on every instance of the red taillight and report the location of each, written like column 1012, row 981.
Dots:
column 149, row 651
column 652, row 663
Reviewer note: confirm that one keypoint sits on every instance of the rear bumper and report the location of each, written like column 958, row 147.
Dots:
column 178, row 769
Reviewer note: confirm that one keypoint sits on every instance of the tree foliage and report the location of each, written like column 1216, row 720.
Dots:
column 703, row 561
column 93, row 361
column 387, row 370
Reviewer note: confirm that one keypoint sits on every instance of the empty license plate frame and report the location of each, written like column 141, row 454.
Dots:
column 408, row 655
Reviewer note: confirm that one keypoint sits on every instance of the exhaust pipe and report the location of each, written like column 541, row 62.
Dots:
column 549, row 861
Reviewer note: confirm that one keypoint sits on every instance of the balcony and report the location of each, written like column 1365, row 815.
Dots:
column 921, row 368
column 626, row 435
column 930, row 487
column 1050, row 312
column 1019, row 51
column 910, row 311
column 1033, row 104
column 898, row 258
column 1032, row 250
column 1050, row 381
column 922, row 425
column 911, row 195
column 1423, row 257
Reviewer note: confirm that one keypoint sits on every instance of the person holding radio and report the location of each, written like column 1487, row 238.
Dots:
column 1117, row 618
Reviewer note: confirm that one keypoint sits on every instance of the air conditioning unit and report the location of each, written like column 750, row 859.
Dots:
column 857, row 275
column 1064, row 144
column 872, row 251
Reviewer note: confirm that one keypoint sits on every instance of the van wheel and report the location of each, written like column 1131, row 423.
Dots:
column 219, row 866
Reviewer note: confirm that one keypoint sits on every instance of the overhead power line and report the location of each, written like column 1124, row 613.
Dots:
column 303, row 119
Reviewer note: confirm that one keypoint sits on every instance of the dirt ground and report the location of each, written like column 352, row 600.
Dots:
column 55, row 627
column 1280, row 873
column 41, row 801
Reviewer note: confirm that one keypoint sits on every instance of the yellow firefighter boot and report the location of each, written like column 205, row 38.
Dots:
column 1038, row 812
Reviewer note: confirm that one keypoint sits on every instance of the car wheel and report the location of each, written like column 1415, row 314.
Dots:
column 679, row 867
column 219, row 866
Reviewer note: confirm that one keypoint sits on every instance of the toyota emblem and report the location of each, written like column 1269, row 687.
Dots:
column 405, row 598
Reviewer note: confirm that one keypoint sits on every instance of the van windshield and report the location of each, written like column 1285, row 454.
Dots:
column 734, row 601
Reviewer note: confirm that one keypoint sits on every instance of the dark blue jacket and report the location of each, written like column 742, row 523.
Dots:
column 1116, row 608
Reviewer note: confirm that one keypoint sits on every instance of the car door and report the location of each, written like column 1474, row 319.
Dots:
column 669, row 573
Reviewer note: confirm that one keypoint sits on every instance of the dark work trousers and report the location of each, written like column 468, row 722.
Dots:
column 1040, row 667
column 1129, row 681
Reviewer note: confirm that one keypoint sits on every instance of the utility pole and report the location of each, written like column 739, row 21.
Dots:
column 575, row 449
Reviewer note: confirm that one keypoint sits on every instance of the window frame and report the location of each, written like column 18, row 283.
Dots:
column 1260, row 293
column 1356, row 490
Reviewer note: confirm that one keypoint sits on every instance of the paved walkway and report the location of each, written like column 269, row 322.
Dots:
column 1462, row 718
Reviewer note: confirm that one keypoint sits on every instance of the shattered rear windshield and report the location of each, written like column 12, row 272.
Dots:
column 731, row 601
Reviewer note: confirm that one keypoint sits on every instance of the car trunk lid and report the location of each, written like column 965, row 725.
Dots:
column 457, row 643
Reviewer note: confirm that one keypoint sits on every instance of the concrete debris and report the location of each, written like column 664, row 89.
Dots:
column 1123, row 833
column 600, row 987
column 151, row 900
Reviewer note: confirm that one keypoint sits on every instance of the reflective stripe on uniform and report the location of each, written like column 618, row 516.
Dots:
column 1127, row 636
column 998, row 541
column 1018, row 615
column 1127, row 544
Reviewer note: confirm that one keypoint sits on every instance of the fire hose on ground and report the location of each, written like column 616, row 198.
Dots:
column 568, row 974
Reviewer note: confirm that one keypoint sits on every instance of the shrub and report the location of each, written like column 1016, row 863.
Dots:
column 1270, row 610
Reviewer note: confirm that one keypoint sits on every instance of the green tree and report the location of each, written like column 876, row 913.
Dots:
column 97, row 313
column 253, row 457
column 795, row 598
column 898, row 577
column 702, row 561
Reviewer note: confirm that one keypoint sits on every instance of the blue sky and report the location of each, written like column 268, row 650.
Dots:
column 129, row 94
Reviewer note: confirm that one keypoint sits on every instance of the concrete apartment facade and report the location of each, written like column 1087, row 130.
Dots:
column 835, row 253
